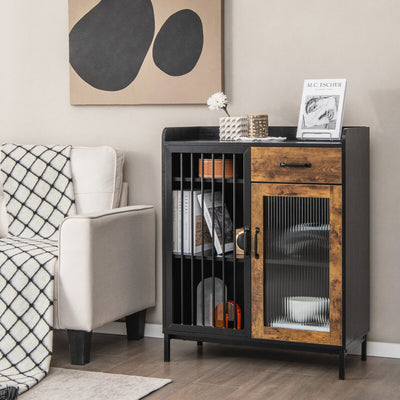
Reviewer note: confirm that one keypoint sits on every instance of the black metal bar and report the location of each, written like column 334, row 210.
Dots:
column 235, row 324
column 223, row 241
column 192, row 238
column 167, row 348
column 237, row 337
column 341, row 365
column 182, row 236
column 202, row 236
column 212, row 228
column 364, row 349
column 282, row 217
column 295, row 165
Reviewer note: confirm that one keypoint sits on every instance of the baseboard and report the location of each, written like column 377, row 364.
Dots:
column 374, row 349
column 119, row 328
column 380, row 349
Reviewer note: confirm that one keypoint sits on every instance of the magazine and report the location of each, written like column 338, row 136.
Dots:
column 321, row 111
column 219, row 223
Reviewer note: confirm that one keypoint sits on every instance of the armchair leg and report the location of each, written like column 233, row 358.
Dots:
column 135, row 325
column 79, row 346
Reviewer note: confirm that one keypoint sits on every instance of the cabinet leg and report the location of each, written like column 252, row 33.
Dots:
column 167, row 348
column 364, row 349
column 341, row 365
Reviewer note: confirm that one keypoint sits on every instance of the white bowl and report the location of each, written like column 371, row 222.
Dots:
column 305, row 308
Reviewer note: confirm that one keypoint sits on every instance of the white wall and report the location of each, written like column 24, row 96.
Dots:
column 270, row 47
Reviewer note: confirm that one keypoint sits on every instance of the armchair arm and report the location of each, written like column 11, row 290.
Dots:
column 106, row 267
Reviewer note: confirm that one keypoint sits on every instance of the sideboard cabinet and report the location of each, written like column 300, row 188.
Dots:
column 266, row 243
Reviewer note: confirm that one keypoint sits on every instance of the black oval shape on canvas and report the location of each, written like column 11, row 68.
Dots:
column 108, row 45
column 178, row 45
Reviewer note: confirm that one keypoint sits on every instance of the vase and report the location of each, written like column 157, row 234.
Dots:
column 257, row 125
column 232, row 128
column 213, row 293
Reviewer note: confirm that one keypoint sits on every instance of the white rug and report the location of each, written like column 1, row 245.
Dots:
column 70, row 384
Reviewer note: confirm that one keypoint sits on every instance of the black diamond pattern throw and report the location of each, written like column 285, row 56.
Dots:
column 37, row 187
column 39, row 194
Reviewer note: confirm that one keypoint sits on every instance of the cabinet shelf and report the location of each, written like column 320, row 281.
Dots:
column 208, row 180
column 208, row 256
column 295, row 263
column 282, row 323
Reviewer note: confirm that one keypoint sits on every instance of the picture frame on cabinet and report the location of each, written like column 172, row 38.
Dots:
column 321, row 110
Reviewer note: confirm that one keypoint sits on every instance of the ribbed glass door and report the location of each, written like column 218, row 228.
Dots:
column 296, row 262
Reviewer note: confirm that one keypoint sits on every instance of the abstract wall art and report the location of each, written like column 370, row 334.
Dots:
column 145, row 51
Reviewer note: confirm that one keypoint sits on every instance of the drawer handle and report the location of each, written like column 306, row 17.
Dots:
column 296, row 165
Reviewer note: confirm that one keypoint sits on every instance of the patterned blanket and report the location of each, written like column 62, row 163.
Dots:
column 38, row 194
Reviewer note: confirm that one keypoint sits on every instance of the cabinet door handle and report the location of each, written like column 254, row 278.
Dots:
column 256, row 231
column 295, row 165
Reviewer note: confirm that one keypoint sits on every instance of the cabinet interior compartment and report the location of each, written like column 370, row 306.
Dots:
column 296, row 262
column 204, row 276
column 224, row 280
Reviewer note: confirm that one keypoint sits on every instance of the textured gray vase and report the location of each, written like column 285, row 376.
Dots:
column 208, row 300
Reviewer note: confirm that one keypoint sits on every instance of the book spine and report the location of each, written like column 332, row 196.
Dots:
column 186, row 221
column 179, row 219
column 175, row 221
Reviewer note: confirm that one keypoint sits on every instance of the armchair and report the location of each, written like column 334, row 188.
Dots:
column 106, row 264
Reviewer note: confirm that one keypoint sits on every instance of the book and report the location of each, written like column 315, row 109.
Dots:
column 219, row 211
column 321, row 110
column 189, row 231
column 176, row 218
column 199, row 227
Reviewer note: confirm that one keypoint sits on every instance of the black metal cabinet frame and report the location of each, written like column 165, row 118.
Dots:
column 184, row 152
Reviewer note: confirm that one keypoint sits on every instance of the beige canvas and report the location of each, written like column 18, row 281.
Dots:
column 153, row 85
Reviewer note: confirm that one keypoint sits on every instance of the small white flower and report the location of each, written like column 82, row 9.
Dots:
column 218, row 101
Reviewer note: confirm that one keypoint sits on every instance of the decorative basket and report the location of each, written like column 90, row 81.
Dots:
column 218, row 168
column 231, row 128
column 257, row 125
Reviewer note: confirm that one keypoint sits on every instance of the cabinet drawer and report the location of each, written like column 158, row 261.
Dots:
column 296, row 164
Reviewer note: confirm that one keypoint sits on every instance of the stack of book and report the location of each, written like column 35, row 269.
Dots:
column 190, row 220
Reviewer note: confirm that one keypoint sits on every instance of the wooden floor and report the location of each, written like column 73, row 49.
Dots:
column 236, row 372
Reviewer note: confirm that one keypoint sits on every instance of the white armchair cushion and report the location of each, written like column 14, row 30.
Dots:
column 97, row 178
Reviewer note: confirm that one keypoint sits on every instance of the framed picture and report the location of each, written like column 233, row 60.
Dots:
column 145, row 51
column 321, row 110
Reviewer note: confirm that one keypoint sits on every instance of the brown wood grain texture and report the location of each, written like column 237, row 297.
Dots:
column 257, row 265
column 326, row 164
column 334, row 193
column 335, row 265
